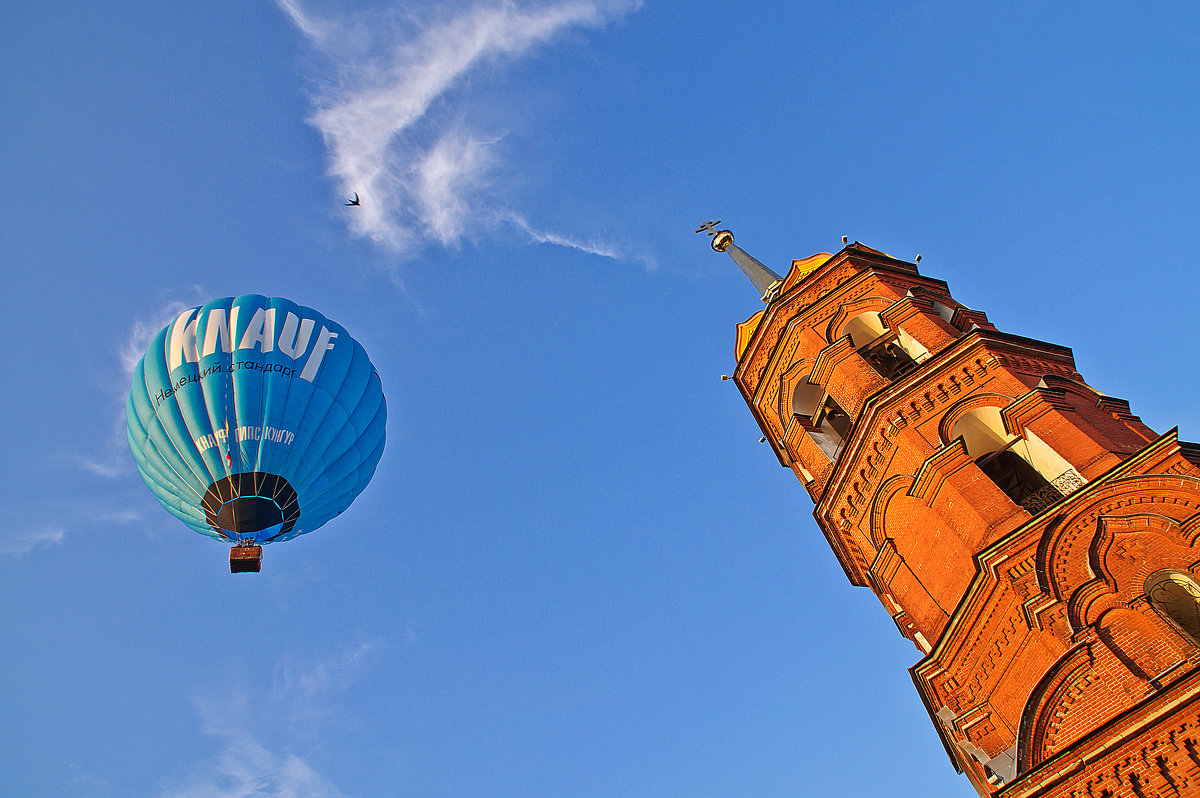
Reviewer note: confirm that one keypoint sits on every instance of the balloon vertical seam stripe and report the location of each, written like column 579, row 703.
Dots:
column 156, row 421
column 253, row 418
column 308, row 404
column 332, row 441
column 147, row 422
column 262, row 411
column 263, row 457
column 268, row 390
column 349, row 411
column 166, row 433
column 318, row 456
column 166, row 485
column 179, row 453
column 214, row 396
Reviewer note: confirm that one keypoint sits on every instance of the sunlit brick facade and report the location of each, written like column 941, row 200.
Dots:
column 1033, row 538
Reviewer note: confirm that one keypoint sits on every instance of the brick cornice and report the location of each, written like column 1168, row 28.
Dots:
column 1124, row 729
column 830, row 357
column 1020, row 543
column 808, row 299
column 1019, row 548
column 946, row 364
column 887, row 562
column 1025, row 410
column 760, row 363
column 1032, row 529
column 904, row 309
column 952, row 458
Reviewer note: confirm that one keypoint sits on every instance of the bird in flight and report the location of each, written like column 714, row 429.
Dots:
column 353, row 201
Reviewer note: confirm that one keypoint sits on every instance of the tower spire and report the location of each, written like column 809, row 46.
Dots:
column 766, row 281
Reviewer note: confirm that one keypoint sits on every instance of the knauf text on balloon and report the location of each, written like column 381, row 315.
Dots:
column 292, row 340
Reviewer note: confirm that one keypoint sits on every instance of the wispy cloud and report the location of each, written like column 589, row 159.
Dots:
column 606, row 249
column 423, row 174
column 245, row 769
column 119, row 516
column 25, row 541
column 143, row 329
column 108, row 465
column 112, row 459
column 300, row 704
column 308, row 677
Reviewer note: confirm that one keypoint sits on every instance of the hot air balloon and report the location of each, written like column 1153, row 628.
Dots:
column 254, row 420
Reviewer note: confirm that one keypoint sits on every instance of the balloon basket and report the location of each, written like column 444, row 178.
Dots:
column 245, row 559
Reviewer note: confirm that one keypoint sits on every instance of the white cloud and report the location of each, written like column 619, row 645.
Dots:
column 448, row 178
column 19, row 543
column 600, row 248
column 300, row 705
column 113, row 459
column 108, row 466
column 309, row 678
column 143, row 330
column 120, row 516
column 245, row 769
column 306, row 689
column 420, row 175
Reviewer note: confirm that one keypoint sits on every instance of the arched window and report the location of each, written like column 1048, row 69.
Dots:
column 822, row 417
column 892, row 354
column 1028, row 471
column 1176, row 595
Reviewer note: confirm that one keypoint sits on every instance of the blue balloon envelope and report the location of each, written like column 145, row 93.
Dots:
column 253, row 419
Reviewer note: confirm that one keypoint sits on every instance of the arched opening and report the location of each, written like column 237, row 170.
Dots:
column 806, row 398
column 891, row 354
column 1176, row 595
column 865, row 328
column 822, row 417
column 1017, row 478
column 1029, row 472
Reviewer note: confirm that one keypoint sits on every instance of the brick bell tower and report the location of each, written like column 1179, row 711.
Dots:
column 1037, row 543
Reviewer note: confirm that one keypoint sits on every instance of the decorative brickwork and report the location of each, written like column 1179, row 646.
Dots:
column 1038, row 544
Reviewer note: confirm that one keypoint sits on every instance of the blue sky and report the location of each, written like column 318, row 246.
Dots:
column 575, row 572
